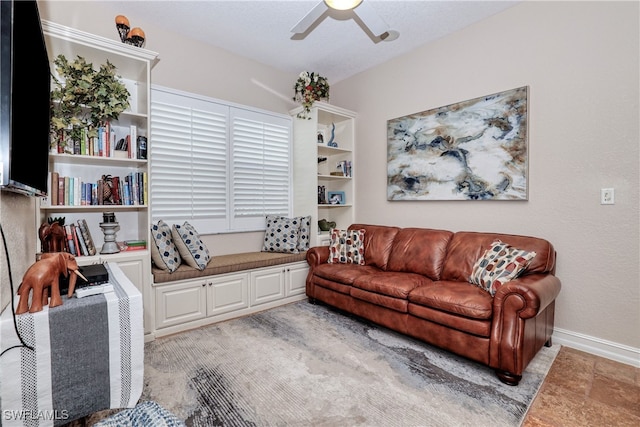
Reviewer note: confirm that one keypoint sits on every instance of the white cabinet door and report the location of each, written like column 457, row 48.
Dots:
column 227, row 293
column 267, row 285
column 180, row 303
column 297, row 278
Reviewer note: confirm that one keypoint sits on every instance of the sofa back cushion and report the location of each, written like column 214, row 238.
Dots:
column 466, row 247
column 378, row 240
column 419, row 250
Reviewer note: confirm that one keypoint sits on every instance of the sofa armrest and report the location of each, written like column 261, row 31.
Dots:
column 523, row 314
column 534, row 291
column 317, row 255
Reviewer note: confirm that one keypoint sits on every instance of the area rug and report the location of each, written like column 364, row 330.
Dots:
column 309, row 365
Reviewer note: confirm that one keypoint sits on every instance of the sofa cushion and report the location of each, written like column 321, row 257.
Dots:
column 477, row 327
column 390, row 283
column 378, row 240
column 466, row 247
column 343, row 273
column 378, row 300
column 454, row 297
column 419, row 250
column 498, row 265
column 164, row 253
column 346, row 247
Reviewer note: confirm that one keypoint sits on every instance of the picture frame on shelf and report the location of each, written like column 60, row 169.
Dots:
column 336, row 197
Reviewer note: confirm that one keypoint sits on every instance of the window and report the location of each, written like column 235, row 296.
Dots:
column 223, row 168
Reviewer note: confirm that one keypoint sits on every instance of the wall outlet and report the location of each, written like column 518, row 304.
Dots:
column 607, row 196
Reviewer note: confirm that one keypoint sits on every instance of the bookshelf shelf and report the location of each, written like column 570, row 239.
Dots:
column 81, row 159
column 93, row 208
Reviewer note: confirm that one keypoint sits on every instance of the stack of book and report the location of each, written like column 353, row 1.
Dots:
column 132, row 245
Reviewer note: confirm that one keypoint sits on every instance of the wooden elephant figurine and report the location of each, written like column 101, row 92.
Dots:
column 44, row 274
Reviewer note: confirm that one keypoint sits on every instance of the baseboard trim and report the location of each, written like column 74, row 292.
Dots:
column 599, row 347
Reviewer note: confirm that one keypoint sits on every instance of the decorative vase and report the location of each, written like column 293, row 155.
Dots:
column 109, row 226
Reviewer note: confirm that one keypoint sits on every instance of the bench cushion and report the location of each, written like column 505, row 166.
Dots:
column 221, row 264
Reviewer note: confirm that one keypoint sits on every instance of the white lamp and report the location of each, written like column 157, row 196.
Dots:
column 342, row 4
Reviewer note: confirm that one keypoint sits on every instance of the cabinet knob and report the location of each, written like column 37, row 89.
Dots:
column 204, row 284
column 210, row 283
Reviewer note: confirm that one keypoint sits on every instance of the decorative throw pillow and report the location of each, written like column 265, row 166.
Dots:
column 281, row 234
column 164, row 253
column 304, row 237
column 498, row 265
column 192, row 249
column 346, row 247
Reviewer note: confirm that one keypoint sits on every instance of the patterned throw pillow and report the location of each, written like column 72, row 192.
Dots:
column 191, row 247
column 304, row 236
column 346, row 247
column 164, row 253
column 498, row 265
column 281, row 234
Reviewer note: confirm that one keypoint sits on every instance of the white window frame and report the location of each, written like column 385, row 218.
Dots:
column 175, row 111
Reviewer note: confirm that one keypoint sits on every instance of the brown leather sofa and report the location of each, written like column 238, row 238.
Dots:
column 415, row 281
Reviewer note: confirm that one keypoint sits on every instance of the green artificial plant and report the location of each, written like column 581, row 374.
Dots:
column 83, row 97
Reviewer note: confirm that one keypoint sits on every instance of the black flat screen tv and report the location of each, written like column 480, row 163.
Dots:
column 25, row 99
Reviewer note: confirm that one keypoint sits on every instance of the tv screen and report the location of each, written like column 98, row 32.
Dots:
column 25, row 85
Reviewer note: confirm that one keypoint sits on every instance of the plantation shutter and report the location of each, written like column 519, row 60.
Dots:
column 189, row 161
column 260, row 168
column 223, row 168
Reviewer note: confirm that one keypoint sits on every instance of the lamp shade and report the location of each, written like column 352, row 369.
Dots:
column 342, row 4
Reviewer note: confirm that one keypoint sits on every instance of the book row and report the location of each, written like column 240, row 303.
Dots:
column 132, row 189
column 79, row 242
column 106, row 144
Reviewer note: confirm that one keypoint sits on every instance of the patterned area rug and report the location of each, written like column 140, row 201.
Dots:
column 308, row 365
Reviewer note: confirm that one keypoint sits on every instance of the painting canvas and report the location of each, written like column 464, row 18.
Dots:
column 471, row 150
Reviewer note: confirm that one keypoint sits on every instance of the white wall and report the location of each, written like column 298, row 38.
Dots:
column 580, row 61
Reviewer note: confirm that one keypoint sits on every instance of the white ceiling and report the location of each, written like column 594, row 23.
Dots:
column 337, row 47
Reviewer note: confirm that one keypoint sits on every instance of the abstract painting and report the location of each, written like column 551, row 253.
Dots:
column 470, row 150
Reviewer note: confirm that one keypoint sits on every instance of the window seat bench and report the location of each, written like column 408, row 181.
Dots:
column 230, row 286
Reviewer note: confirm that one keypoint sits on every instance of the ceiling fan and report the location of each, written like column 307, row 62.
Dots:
column 361, row 8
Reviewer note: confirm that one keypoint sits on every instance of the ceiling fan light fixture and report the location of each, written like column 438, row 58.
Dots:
column 342, row 4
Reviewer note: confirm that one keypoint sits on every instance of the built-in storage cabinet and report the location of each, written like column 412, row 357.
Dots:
column 195, row 302
column 133, row 66
column 324, row 189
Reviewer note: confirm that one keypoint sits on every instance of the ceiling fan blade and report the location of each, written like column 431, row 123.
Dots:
column 307, row 21
column 371, row 19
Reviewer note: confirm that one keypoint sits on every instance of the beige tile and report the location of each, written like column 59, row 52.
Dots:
column 557, row 406
column 572, row 371
column 600, row 414
column 616, row 370
column 586, row 390
column 616, row 393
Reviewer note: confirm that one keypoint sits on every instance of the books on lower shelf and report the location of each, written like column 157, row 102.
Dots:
column 132, row 245
column 79, row 240
column 129, row 190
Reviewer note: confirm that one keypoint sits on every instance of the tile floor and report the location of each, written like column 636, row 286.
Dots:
column 586, row 390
